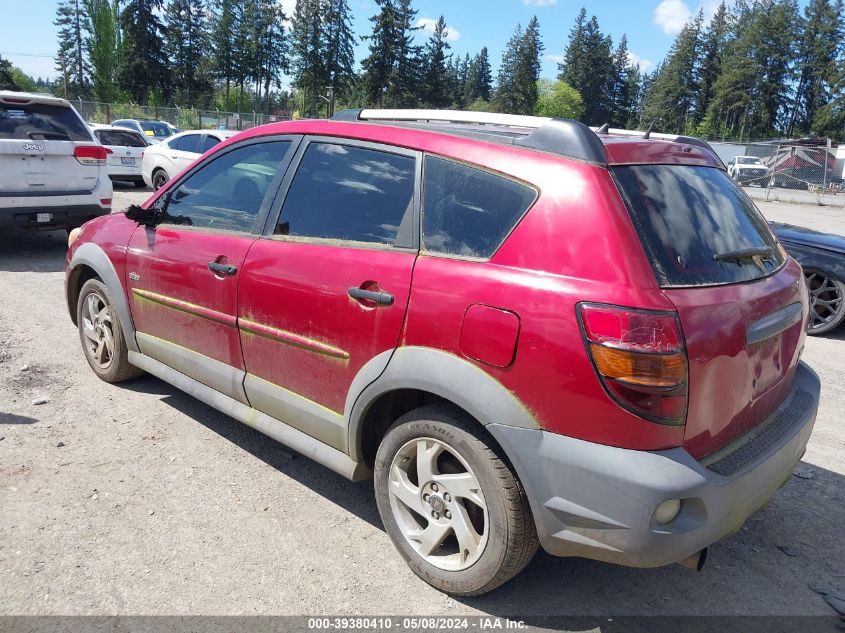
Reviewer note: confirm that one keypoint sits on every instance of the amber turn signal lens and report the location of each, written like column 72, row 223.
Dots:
column 73, row 236
column 647, row 370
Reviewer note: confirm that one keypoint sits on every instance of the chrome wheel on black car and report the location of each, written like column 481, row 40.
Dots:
column 827, row 308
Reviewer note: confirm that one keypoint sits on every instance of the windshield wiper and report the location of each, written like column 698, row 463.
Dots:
column 764, row 252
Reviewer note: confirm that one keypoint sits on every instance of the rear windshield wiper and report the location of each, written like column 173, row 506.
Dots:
column 764, row 252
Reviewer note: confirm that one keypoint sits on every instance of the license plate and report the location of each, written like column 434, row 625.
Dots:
column 127, row 161
column 43, row 217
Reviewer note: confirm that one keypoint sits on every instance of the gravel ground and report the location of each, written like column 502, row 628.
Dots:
column 138, row 499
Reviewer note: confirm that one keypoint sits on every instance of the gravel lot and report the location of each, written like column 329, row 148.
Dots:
column 138, row 499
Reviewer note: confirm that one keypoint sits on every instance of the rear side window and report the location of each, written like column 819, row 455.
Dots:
column 207, row 143
column 122, row 139
column 37, row 121
column 349, row 193
column 187, row 143
column 226, row 193
column 691, row 220
column 468, row 211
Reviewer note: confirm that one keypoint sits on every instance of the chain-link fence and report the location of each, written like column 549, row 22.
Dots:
column 182, row 118
column 787, row 167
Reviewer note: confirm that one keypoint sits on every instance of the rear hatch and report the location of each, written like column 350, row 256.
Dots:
column 38, row 138
column 741, row 302
column 125, row 146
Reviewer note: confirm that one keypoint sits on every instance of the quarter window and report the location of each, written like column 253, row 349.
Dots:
column 468, row 211
column 226, row 193
column 349, row 193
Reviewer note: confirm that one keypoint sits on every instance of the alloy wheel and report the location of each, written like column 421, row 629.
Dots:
column 438, row 504
column 826, row 301
column 97, row 330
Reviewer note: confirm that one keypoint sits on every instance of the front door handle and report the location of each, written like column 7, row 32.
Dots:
column 376, row 296
column 222, row 269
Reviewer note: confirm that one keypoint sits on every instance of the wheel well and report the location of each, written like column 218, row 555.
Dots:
column 388, row 408
column 76, row 280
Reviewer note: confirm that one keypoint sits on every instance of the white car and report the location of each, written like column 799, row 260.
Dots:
column 53, row 171
column 125, row 149
column 168, row 158
column 154, row 131
column 748, row 170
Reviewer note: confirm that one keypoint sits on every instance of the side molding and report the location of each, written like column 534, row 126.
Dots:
column 440, row 373
column 91, row 255
column 297, row 440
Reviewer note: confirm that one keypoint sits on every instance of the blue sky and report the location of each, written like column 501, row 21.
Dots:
column 28, row 37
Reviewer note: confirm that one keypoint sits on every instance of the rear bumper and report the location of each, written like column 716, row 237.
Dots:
column 598, row 501
column 63, row 216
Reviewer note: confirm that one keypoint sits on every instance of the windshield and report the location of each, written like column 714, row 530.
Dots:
column 748, row 160
column 158, row 128
column 697, row 226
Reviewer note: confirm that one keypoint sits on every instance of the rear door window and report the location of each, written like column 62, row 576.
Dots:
column 350, row 193
column 208, row 142
column 38, row 121
column 467, row 211
column 120, row 138
column 691, row 220
column 187, row 143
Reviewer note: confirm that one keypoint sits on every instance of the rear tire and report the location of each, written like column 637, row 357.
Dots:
column 102, row 335
column 160, row 178
column 467, row 528
column 827, row 302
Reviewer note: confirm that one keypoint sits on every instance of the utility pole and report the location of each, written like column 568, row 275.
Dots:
column 64, row 75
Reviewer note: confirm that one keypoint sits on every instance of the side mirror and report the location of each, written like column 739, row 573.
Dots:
column 145, row 217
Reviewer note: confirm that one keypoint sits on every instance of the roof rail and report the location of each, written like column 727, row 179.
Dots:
column 558, row 136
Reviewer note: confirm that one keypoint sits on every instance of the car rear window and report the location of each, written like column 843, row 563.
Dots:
column 119, row 138
column 159, row 129
column 690, row 218
column 38, row 121
column 468, row 211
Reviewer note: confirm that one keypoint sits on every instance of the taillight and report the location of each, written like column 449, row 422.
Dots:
column 90, row 154
column 640, row 358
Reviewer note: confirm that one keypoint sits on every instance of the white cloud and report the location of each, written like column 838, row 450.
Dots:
column 558, row 59
column 539, row 3
column 671, row 15
column 646, row 65
column 289, row 7
column 428, row 25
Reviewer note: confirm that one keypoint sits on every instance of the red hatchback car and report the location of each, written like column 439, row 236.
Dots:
column 526, row 330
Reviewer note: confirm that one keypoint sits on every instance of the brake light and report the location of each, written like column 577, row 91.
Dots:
column 109, row 152
column 90, row 154
column 640, row 358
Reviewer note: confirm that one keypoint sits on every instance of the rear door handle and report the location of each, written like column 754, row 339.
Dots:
column 222, row 269
column 376, row 296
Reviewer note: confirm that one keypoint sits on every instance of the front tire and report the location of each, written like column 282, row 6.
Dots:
column 827, row 302
column 450, row 502
column 101, row 334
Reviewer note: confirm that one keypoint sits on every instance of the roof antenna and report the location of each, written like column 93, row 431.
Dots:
column 650, row 128
column 603, row 129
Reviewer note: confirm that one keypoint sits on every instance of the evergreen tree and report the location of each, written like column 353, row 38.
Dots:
column 271, row 50
column 624, row 86
column 143, row 67
column 506, row 98
column 308, row 64
column 484, row 81
column 338, row 44
column 818, row 49
column 408, row 64
column 222, row 45
column 379, row 65
column 712, row 51
column 7, row 80
column 671, row 99
column 527, row 69
column 73, row 29
column 101, row 46
column 187, row 41
column 588, row 67
column 436, row 80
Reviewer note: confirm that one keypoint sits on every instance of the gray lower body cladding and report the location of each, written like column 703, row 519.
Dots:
column 599, row 501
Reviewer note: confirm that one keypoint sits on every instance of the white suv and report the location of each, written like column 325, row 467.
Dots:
column 52, row 171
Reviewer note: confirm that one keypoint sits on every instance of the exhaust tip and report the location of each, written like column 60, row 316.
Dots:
column 696, row 561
